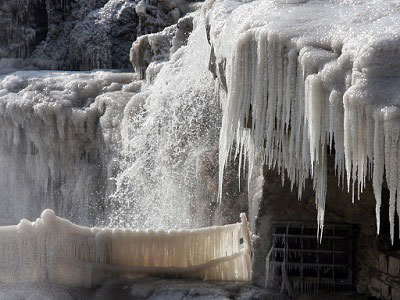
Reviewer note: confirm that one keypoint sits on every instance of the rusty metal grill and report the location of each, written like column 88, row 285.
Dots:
column 308, row 265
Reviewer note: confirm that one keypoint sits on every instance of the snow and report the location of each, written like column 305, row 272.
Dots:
column 316, row 77
column 52, row 249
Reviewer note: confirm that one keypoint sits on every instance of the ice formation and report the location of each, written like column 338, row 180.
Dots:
column 55, row 250
column 59, row 138
column 296, row 79
column 87, row 113
column 309, row 78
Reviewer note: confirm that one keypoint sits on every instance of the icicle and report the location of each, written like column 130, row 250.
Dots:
column 379, row 163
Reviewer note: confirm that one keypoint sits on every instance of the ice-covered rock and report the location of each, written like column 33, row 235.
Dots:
column 155, row 15
column 23, row 24
column 82, row 35
column 156, row 48
column 85, row 35
column 60, row 135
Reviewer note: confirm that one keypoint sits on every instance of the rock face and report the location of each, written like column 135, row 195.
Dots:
column 89, row 34
column 77, row 35
column 23, row 24
column 385, row 277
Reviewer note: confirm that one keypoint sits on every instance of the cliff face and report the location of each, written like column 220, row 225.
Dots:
column 80, row 35
column 23, row 26
column 69, row 34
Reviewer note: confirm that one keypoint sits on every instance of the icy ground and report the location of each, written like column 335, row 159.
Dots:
column 157, row 289
column 147, row 288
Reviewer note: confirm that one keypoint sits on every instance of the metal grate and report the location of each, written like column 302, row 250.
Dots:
column 307, row 265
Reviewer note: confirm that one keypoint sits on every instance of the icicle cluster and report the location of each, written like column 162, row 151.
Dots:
column 308, row 79
column 53, row 249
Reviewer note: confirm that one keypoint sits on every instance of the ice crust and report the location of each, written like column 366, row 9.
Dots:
column 317, row 76
column 55, row 250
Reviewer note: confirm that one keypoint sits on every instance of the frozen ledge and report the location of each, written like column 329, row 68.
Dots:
column 301, row 78
column 52, row 249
